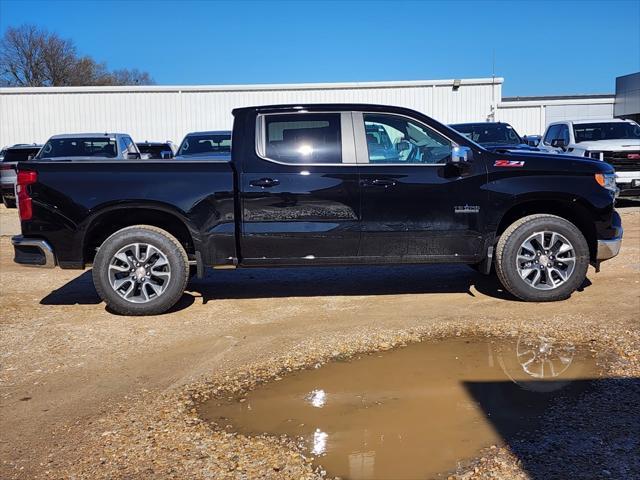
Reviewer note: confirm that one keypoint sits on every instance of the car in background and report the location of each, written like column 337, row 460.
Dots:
column 164, row 150
column 532, row 140
column 9, row 158
column 615, row 141
column 206, row 145
column 116, row 146
column 497, row 137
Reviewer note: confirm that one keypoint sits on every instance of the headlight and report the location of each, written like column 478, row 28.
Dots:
column 608, row 181
column 594, row 155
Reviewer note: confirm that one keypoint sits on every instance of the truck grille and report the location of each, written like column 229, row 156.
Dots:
column 621, row 161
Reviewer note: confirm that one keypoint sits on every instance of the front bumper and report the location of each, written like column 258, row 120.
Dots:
column 33, row 252
column 609, row 248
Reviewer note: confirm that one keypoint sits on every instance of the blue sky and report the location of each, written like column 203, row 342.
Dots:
column 541, row 48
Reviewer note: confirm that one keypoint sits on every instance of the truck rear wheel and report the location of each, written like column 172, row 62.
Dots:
column 542, row 258
column 141, row 270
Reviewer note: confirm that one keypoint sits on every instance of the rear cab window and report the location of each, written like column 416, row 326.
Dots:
column 198, row 144
column 79, row 147
column 19, row 154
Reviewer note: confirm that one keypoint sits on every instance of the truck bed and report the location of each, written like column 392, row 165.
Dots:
column 72, row 196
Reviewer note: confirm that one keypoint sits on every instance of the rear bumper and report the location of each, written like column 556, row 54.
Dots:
column 33, row 252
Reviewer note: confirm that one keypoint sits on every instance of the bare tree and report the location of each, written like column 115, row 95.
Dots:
column 33, row 57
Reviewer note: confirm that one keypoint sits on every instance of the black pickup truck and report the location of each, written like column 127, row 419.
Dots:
column 322, row 184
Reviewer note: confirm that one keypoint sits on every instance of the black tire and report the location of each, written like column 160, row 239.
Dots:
column 9, row 203
column 508, row 247
column 161, row 240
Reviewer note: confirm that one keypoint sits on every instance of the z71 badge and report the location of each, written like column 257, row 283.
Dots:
column 509, row 163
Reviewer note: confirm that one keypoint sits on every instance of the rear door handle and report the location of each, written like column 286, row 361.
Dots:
column 264, row 182
column 379, row 182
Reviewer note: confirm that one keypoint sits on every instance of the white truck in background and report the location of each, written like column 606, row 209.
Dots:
column 614, row 141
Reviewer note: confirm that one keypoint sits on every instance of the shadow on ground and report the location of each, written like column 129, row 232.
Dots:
column 590, row 429
column 310, row 282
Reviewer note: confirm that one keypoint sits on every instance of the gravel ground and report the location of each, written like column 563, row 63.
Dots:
column 87, row 394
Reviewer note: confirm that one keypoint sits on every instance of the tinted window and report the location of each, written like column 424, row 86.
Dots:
column 131, row 147
column 586, row 132
column 489, row 133
column 563, row 134
column 205, row 143
column 304, row 138
column 79, row 147
column 552, row 134
column 155, row 150
column 393, row 139
column 19, row 154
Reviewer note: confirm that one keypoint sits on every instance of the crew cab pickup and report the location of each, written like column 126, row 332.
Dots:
column 320, row 184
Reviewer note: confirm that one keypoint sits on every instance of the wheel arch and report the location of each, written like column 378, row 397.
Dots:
column 109, row 220
column 569, row 208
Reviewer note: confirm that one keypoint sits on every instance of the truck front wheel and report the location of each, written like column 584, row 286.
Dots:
column 542, row 258
column 141, row 270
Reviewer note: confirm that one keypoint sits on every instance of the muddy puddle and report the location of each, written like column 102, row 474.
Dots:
column 414, row 412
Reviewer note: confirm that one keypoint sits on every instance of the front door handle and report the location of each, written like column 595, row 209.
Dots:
column 379, row 182
column 264, row 182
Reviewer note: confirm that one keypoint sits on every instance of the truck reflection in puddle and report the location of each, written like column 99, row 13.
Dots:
column 410, row 413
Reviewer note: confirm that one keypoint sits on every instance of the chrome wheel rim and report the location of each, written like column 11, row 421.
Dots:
column 543, row 357
column 139, row 272
column 546, row 260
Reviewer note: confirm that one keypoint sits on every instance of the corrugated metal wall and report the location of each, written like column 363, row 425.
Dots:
column 159, row 113
column 532, row 117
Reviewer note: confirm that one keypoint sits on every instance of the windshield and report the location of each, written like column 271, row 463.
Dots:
column 489, row 133
column 591, row 132
column 79, row 147
column 155, row 150
column 206, row 143
column 19, row 154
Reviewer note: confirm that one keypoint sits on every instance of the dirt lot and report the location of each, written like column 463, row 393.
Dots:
column 88, row 394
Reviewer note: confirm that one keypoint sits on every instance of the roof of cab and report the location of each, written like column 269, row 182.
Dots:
column 211, row 132
column 302, row 107
column 92, row 135
column 579, row 121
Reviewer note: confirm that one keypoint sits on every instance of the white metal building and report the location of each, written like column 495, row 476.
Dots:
column 531, row 115
column 157, row 113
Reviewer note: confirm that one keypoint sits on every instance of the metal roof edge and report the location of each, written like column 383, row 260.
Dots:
column 248, row 87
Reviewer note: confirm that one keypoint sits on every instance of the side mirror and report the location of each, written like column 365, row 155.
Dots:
column 30, row 157
column 558, row 143
column 166, row 155
column 132, row 156
column 461, row 155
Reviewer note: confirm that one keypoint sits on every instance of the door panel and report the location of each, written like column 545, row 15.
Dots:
column 415, row 206
column 305, row 213
column 312, row 214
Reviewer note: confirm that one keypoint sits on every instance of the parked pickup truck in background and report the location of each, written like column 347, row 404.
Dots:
column 614, row 141
column 494, row 136
column 115, row 146
column 9, row 158
column 330, row 184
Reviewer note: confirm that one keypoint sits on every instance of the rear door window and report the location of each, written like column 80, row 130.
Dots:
column 304, row 138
